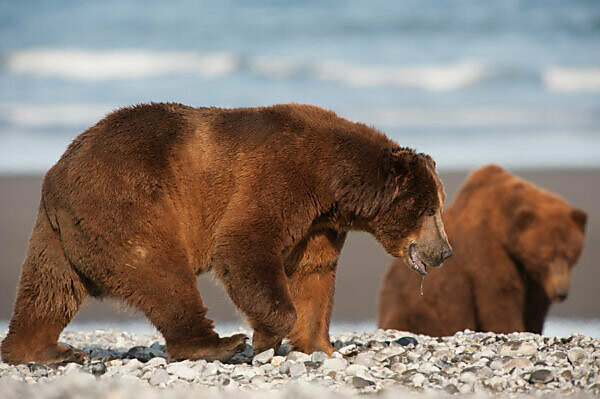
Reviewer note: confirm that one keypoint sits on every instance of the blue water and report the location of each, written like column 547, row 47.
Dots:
column 470, row 82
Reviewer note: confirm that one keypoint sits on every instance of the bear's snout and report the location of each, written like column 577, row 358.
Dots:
column 446, row 253
column 558, row 282
column 561, row 296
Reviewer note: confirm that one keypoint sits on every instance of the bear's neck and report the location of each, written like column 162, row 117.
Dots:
column 359, row 192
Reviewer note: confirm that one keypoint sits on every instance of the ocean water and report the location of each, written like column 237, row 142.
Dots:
column 470, row 82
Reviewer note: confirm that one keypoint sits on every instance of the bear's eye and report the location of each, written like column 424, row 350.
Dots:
column 430, row 212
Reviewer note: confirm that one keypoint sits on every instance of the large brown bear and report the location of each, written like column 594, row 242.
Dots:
column 514, row 246
column 154, row 195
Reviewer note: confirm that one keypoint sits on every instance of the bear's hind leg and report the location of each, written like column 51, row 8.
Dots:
column 50, row 293
column 170, row 300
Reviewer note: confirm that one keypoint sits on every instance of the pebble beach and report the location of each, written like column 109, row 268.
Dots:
column 386, row 363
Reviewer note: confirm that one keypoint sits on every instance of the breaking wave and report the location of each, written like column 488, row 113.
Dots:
column 572, row 79
column 99, row 65
column 429, row 77
column 35, row 115
column 87, row 65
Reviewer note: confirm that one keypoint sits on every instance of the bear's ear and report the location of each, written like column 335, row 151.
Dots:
column 580, row 218
column 524, row 216
column 397, row 160
column 429, row 160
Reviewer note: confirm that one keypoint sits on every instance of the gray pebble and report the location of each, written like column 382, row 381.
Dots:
column 406, row 341
column 517, row 362
column 319, row 357
column 298, row 356
column 211, row 369
column 365, row 359
column 543, row 376
column 466, row 362
column 297, row 369
column 141, row 353
column 96, row 368
column 264, row 357
column 576, row 355
column 183, row 371
column 159, row 376
column 359, row 382
column 517, row 348
column 334, row 364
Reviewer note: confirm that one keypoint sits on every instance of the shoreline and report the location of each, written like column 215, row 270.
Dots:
column 386, row 362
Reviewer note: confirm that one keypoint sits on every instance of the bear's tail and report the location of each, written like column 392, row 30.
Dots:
column 49, row 294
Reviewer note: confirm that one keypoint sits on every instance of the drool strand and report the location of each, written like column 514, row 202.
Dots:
column 422, row 281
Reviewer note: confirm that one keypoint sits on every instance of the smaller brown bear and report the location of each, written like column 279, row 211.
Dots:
column 514, row 246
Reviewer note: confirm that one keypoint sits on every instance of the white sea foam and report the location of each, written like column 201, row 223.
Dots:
column 99, row 65
column 44, row 115
column 429, row 77
column 87, row 65
column 475, row 116
column 277, row 67
column 83, row 114
column 562, row 79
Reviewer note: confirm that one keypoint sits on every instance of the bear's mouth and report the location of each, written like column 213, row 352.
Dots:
column 417, row 264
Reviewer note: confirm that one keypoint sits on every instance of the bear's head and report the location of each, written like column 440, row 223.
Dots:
column 545, row 238
column 410, row 225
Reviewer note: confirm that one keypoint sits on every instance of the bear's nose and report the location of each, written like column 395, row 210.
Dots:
column 446, row 253
column 561, row 296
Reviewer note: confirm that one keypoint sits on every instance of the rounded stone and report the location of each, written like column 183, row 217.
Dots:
column 182, row 371
column 349, row 350
column 356, row 370
column 365, row 359
column 517, row 348
column 319, row 357
column 468, row 377
column 334, row 364
column 277, row 360
column 542, row 376
column 359, row 382
column 298, row 356
column 159, row 376
column 263, row 357
column 141, row 353
column 517, row 362
column 405, row 341
column 297, row 369
column 418, row 379
column 211, row 369
column 576, row 355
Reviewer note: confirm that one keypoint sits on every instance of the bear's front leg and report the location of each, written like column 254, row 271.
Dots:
column 312, row 285
column 313, row 297
column 256, row 283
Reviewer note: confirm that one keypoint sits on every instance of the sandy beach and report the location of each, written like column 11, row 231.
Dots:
column 362, row 265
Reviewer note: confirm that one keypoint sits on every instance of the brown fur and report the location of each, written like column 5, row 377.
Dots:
column 514, row 245
column 154, row 195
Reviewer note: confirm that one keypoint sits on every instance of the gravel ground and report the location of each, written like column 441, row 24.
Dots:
column 390, row 363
